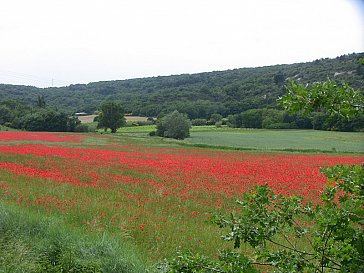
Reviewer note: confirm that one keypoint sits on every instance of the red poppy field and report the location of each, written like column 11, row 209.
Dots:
column 159, row 197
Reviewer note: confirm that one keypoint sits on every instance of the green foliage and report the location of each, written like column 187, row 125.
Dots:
column 214, row 119
column 174, row 125
column 252, row 118
column 45, row 119
column 61, row 256
column 84, row 128
column 279, row 78
column 72, row 123
column 338, row 100
column 268, row 119
column 6, row 115
column 290, row 235
column 361, row 61
column 12, row 113
column 199, row 122
column 111, row 116
column 41, row 101
column 18, row 115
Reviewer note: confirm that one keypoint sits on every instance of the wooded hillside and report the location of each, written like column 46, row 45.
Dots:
column 197, row 95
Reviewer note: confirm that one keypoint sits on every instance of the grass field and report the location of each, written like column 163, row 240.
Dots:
column 147, row 196
column 255, row 139
column 282, row 139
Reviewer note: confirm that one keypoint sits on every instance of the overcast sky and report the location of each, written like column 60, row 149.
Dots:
column 82, row 41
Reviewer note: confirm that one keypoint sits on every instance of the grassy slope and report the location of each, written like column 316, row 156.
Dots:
column 30, row 242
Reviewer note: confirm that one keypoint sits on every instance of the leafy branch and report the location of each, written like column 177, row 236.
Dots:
column 338, row 100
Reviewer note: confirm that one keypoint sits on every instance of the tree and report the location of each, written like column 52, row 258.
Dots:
column 252, row 118
column 215, row 118
column 174, row 125
column 111, row 116
column 41, row 101
column 45, row 119
column 72, row 123
column 6, row 115
column 279, row 78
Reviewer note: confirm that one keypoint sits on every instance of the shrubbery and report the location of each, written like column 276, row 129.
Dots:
column 18, row 115
column 174, row 125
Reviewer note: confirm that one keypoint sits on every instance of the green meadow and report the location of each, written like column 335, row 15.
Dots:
column 260, row 139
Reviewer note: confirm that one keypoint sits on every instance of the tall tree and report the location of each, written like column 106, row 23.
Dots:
column 111, row 116
column 279, row 78
column 41, row 101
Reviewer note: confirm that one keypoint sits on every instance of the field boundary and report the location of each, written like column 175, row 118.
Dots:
column 293, row 150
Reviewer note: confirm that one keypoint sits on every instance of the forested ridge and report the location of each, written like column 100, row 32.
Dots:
column 197, row 95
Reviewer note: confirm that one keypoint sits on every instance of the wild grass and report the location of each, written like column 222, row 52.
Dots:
column 31, row 242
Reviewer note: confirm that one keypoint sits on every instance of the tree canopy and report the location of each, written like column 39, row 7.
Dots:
column 18, row 115
column 111, row 116
column 174, row 125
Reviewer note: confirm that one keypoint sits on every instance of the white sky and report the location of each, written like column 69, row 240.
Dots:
column 81, row 41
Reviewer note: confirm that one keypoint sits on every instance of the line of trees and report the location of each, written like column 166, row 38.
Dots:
column 281, row 119
column 19, row 115
column 303, row 112
column 270, row 118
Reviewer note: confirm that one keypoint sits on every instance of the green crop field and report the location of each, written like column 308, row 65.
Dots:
column 282, row 139
column 255, row 139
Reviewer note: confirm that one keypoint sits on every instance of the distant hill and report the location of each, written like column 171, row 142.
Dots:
column 198, row 95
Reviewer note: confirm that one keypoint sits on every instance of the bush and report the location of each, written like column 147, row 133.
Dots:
column 199, row 122
column 174, row 125
column 281, row 125
column 82, row 128
column 218, row 124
